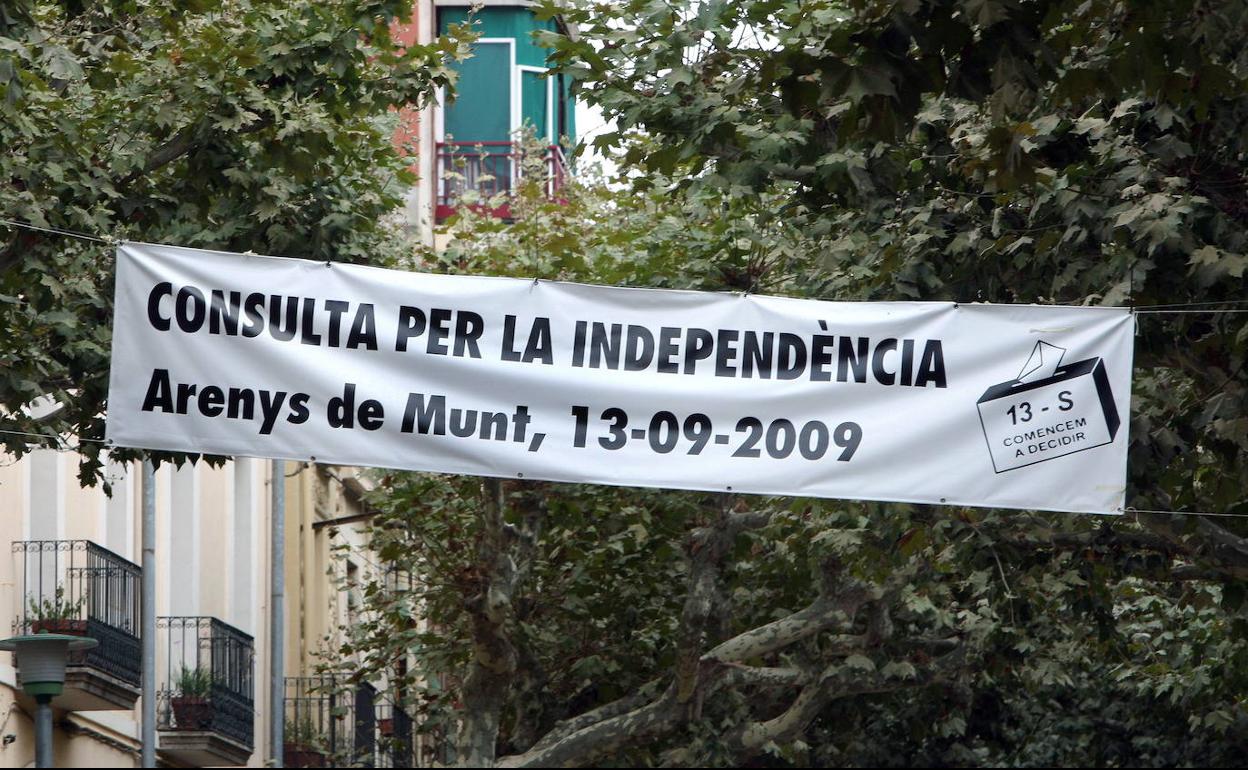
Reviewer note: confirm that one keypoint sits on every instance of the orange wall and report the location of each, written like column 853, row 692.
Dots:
column 406, row 136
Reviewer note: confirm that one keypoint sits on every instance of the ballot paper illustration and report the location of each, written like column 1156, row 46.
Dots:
column 1050, row 410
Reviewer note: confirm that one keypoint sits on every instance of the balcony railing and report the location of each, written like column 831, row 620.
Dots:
column 207, row 679
column 79, row 588
column 329, row 723
column 489, row 169
column 396, row 737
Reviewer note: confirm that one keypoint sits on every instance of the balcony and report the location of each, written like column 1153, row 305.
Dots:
column 329, row 723
column 396, row 736
column 205, row 708
column 473, row 173
column 77, row 587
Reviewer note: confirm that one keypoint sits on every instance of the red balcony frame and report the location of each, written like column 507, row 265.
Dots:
column 488, row 168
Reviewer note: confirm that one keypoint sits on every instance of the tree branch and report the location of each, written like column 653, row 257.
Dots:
column 530, row 679
column 1219, row 548
column 181, row 144
column 184, row 142
column 833, row 684
column 579, row 740
column 1077, row 540
column 764, row 676
column 579, row 748
column 825, row 613
column 630, row 702
column 707, row 548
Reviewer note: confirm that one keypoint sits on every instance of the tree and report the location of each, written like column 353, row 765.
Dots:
column 245, row 125
column 547, row 624
column 1033, row 151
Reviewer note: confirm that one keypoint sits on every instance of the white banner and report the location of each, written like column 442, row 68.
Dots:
column 1016, row 406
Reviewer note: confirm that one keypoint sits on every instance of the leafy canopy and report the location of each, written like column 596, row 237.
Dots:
column 243, row 125
column 1079, row 152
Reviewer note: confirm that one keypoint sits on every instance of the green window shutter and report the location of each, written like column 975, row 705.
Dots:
column 492, row 103
column 533, row 104
column 481, row 111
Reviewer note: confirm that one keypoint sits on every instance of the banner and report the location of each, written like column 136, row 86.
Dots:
column 1016, row 406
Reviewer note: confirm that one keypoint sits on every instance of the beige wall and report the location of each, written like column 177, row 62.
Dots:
column 217, row 498
column 317, row 501
column 83, row 745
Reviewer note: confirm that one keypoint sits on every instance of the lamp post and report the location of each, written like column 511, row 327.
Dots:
column 41, row 662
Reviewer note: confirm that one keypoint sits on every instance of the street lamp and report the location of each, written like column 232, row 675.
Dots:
column 41, row 665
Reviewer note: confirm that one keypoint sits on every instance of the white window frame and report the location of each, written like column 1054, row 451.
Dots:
column 550, row 124
column 513, row 119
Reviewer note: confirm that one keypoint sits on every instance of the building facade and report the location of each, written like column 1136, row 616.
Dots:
column 467, row 150
column 73, row 567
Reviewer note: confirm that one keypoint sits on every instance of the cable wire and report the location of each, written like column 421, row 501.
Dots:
column 1194, row 304
column 1167, row 308
column 57, row 231
column 61, row 443
column 1211, row 311
column 1130, row 509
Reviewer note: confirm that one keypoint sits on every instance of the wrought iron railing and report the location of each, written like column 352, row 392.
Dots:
column 397, row 742
column 80, row 588
column 396, row 736
column 207, row 678
column 329, row 723
column 489, row 169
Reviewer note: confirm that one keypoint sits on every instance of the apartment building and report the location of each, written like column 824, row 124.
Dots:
column 73, row 567
column 467, row 149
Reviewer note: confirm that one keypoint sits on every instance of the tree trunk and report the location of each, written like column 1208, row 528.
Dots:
column 493, row 662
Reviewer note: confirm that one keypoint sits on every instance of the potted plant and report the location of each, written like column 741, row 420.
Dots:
column 301, row 744
column 385, row 726
column 192, row 706
column 57, row 615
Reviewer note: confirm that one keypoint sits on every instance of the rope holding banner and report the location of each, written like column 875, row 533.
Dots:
column 1137, row 511
column 58, row 231
column 1165, row 308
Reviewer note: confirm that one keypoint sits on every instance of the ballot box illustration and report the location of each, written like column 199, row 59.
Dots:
column 1050, row 410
